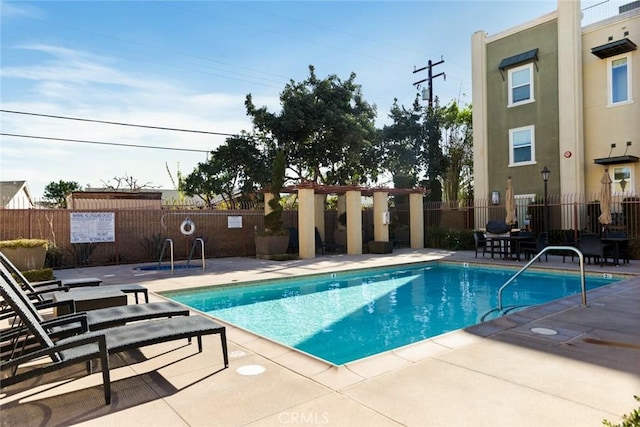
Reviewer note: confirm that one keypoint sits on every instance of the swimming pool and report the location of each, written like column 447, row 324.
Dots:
column 342, row 317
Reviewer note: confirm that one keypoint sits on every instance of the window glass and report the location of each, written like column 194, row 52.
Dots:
column 520, row 85
column 521, row 141
column 622, row 178
column 619, row 81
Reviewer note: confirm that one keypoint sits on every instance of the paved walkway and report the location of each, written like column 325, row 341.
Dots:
column 499, row 373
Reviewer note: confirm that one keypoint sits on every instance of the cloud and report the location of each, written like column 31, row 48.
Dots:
column 72, row 83
column 9, row 10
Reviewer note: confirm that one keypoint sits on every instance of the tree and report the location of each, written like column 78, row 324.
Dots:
column 412, row 147
column 126, row 182
column 55, row 193
column 234, row 171
column 458, row 149
column 325, row 127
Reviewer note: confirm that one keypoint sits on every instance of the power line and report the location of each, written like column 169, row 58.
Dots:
column 116, row 123
column 104, row 143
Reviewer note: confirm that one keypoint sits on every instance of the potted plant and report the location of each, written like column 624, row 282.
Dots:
column 274, row 239
column 25, row 254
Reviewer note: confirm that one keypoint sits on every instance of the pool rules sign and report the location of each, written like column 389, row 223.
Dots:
column 93, row 227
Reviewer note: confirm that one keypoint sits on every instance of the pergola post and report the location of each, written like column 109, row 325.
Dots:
column 380, row 212
column 306, row 223
column 354, row 222
column 416, row 220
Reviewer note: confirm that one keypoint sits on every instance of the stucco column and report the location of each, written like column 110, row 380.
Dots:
column 570, row 114
column 416, row 220
column 354, row 222
column 306, row 223
column 380, row 207
column 319, row 208
column 480, row 129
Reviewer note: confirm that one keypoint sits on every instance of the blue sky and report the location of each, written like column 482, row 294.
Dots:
column 189, row 65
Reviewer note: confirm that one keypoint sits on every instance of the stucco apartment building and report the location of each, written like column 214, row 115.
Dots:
column 552, row 92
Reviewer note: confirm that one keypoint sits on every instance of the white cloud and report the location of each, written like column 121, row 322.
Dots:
column 72, row 83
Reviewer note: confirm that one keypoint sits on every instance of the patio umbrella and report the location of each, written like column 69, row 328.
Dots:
column 605, row 199
column 510, row 203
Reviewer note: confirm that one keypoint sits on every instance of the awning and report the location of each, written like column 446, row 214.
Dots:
column 614, row 48
column 518, row 59
column 615, row 160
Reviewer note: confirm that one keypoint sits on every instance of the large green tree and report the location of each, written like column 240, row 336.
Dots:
column 55, row 193
column 326, row 129
column 233, row 172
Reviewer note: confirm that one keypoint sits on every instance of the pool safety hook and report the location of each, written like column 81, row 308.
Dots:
column 188, row 227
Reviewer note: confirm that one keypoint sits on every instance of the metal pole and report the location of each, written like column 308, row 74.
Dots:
column 546, row 214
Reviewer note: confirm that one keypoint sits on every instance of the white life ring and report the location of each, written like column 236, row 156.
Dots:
column 187, row 227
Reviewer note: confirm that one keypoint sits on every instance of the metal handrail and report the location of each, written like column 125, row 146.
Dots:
column 544, row 250
column 164, row 247
column 193, row 247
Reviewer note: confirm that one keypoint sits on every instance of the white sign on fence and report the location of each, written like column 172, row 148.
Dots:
column 234, row 222
column 93, row 227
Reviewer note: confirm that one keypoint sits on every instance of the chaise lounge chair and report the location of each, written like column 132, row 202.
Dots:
column 41, row 291
column 88, row 345
column 96, row 319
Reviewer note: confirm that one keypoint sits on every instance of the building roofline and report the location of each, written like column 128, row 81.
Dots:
column 524, row 26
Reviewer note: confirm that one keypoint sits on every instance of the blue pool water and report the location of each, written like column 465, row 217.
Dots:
column 342, row 317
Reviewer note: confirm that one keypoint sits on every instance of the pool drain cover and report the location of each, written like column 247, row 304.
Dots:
column 250, row 370
column 544, row 331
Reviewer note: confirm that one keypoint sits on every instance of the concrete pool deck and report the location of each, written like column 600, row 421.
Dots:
column 499, row 373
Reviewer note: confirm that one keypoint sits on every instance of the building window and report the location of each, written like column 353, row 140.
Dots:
column 521, row 85
column 521, row 146
column 622, row 179
column 619, row 80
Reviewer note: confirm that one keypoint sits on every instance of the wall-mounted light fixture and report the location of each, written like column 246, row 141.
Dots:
column 495, row 197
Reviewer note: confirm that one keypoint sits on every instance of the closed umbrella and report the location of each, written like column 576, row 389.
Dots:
column 510, row 203
column 605, row 199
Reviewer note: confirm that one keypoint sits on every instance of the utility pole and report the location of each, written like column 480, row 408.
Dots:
column 429, row 79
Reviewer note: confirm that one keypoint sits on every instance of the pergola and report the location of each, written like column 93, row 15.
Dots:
column 311, row 205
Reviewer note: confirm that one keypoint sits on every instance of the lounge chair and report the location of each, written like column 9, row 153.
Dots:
column 41, row 291
column 96, row 319
column 89, row 345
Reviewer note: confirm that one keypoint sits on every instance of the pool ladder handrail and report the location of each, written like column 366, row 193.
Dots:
column 193, row 248
column 164, row 248
column 535, row 258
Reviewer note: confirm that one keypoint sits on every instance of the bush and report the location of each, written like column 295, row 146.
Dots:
column 452, row 240
column 38, row 275
column 24, row 243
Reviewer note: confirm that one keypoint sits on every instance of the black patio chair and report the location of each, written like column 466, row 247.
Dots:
column 592, row 247
column 532, row 248
column 87, row 345
column 569, row 239
column 481, row 243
